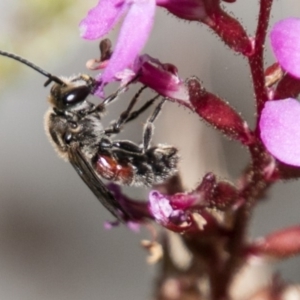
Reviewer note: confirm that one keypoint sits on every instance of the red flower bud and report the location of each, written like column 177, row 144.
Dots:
column 280, row 244
column 229, row 30
column 224, row 196
column 206, row 187
column 218, row 113
column 220, row 195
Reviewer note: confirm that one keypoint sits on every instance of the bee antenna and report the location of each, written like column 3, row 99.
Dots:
column 33, row 66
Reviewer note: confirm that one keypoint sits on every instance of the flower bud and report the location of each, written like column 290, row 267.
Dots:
column 218, row 113
column 280, row 244
column 224, row 196
column 230, row 31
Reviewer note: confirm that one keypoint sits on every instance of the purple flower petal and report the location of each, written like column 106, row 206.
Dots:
column 160, row 207
column 162, row 78
column 100, row 19
column 133, row 36
column 285, row 42
column 279, row 126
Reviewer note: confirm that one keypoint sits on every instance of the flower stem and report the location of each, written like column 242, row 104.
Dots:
column 256, row 61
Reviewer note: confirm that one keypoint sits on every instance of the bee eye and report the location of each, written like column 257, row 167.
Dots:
column 68, row 137
column 76, row 95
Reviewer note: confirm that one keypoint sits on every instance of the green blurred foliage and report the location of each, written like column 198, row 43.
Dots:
column 39, row 30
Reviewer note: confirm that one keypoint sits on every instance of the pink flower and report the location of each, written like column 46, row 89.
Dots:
column 163, row 78
column 134, row 33
column 184, row 212
column 286, row 44
column 160, row 207
column 124, row 63
column 136, row 27
column 164, row 211
column 138, row 23
column 279, row 127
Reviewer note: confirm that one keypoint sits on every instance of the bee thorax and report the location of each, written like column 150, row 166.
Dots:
column 66, row 130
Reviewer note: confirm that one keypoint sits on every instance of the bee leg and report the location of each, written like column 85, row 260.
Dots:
column 149, row 127
column 112, row 97
column 125, row 114
column 128, row 117
column 136, row 113
column 116, row 126
column 127, row 146
column 120, row 90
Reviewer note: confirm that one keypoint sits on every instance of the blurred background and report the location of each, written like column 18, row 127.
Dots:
column 52, row 241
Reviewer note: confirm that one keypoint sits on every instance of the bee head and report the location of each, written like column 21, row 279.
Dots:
column 66, row 93
column 71, row 92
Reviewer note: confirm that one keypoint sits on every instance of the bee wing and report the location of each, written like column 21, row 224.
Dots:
column 91, row 179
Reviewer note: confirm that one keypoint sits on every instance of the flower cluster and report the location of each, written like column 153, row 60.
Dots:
column 213, row 218
column 102, row 18
column 125, row 63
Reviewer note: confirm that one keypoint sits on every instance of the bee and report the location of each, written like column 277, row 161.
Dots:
column 73, row 125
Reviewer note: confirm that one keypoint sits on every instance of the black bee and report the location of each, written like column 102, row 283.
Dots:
column 74, row 127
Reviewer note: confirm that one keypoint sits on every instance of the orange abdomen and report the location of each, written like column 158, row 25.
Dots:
column 110, row 169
